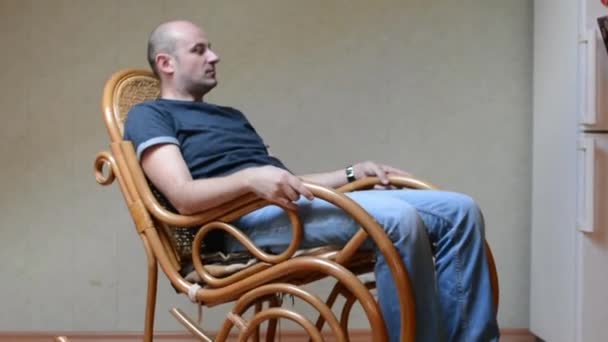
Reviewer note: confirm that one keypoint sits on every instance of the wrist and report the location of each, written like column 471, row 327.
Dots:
column 243, row 177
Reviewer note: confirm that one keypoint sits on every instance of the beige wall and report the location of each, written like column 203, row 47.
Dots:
column 440, row 89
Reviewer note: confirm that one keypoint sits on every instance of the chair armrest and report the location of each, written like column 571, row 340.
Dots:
column 398, row 181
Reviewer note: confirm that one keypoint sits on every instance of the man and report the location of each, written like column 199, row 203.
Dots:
column 200, row 155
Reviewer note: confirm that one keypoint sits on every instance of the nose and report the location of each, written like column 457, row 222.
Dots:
column 213, row 57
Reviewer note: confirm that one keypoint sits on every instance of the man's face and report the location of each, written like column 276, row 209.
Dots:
column 195, row 61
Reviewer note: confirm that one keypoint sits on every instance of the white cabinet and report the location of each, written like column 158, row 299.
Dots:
column 552, row 272
column 592, row 249
column 569, row 266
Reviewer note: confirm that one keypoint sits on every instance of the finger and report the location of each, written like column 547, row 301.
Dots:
column 380, row 173
column 394, row 170
column 289, row 192
column 302, row 189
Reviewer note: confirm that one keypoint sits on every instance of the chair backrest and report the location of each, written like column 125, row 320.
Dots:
column 125, row 89
column 122, row 91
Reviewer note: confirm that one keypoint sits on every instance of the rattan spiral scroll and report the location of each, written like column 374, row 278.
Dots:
column 104, row 159
column 247, row 243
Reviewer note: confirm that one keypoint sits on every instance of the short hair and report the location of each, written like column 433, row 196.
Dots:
column 162, row 39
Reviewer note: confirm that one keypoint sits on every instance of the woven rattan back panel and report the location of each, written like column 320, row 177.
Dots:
column 130, row 91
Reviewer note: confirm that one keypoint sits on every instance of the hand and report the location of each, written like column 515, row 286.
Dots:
column 276, row 185
column 373, row 169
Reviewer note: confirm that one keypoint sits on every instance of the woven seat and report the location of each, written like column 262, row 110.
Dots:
column 253, row 278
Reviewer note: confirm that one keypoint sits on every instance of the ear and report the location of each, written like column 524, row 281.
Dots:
column 165, row 63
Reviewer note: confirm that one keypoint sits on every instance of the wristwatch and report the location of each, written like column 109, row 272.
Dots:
column 350, row 174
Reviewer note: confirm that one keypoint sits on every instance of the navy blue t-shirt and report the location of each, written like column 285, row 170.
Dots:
column 214, row 140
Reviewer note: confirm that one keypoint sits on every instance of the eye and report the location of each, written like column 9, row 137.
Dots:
column 199, row 49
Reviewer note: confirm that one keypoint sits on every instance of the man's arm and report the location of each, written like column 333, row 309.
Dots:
column 165, row 167
column 335, row 179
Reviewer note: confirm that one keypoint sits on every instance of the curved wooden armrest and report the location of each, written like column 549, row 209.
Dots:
column 398, row 181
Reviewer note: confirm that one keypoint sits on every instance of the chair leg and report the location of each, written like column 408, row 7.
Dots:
column 273, row 302
column 348, row 305
column 271, row 331
column 151, row 293
column 256, row 332
column 331, row 299
column 339, row 289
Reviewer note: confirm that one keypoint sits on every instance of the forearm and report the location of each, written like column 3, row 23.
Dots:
column 167, row 170
column 332, row 179
column 199, row 195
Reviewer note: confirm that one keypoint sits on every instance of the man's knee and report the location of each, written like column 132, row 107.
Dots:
column 403, row 222
column 467, row 214
column 461, row 204
column 399, row 219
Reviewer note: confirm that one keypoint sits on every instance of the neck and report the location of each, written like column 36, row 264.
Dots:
column 176, row 95
column 173, row 92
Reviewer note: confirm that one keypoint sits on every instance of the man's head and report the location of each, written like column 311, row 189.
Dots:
column 180, row 54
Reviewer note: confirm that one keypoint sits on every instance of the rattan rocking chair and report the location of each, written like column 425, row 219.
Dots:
column 254, row 283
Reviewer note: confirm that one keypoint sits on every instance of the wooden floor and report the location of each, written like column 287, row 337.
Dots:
column 508, row 335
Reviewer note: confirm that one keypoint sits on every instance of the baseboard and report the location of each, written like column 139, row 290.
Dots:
column 507, row 335
column 517, row 335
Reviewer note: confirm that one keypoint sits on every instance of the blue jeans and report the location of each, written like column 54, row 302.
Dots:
column 453, row 294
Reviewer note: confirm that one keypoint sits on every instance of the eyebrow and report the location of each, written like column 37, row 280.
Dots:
column 199, row 44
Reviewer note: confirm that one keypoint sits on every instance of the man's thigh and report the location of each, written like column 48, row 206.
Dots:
column 436, row 201
column 324, row 223
column 441, row 210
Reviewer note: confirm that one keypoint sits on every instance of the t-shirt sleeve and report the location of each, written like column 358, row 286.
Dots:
column 147, row 126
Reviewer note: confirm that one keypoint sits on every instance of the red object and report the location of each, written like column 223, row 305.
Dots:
column 605, row 2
